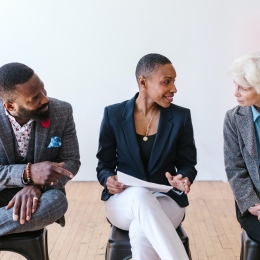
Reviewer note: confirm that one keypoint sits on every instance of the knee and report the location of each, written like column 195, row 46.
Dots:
column 55, row 200
column 141, row 194
column 142, row 197
column 58, row 196
column 60, row 200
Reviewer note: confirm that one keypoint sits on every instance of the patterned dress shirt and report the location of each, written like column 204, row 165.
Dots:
column 22, row 133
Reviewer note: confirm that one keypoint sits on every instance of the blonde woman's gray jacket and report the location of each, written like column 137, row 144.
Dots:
column 241, row 157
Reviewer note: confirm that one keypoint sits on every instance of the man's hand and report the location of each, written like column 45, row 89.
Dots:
column 24, row 203
column 178, row 182
column 48, row 173
column 113, row 186
column 255, row 211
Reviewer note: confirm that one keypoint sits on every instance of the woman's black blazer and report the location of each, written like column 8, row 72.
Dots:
column 173, row 150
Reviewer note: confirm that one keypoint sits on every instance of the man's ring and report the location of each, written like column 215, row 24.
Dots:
column 52, row 183
column 35, row 198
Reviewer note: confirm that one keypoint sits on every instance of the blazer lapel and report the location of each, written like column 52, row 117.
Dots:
column 246, row 127
column 162, row 136
column 6, row 133
column 41, row 138
column 130, row 134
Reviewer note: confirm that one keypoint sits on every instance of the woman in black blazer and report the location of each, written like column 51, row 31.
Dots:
column 151, row 139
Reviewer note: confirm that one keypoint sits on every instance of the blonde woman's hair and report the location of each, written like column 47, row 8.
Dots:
column 246, row 71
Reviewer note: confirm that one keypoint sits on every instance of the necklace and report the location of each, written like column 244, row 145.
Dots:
column 145, row 138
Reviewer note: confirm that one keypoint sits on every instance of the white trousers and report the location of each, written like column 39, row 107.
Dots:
column 151, row 220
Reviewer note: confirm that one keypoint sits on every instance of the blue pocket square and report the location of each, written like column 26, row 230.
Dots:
column 55, row 142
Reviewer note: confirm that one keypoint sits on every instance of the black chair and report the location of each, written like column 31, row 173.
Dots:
column 32, row 245
column 119, row 248
column 250, row 249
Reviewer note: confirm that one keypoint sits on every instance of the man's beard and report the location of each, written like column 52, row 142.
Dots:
column 37, row 114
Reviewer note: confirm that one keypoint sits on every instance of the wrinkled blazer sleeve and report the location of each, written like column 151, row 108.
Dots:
column 69, row 152
column 186, row 152
column 11, row 176
column 235, row 166
column 107, row 156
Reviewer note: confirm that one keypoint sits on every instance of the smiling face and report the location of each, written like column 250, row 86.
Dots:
column 247, row 96
column 159, row 86
column 31, row 101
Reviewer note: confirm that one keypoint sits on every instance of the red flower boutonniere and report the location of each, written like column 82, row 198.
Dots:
column 46, row 123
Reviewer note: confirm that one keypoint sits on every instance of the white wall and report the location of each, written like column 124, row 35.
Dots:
column 86, row 53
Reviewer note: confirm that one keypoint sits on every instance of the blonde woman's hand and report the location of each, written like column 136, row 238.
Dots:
column 113, row 186
column 255, row 210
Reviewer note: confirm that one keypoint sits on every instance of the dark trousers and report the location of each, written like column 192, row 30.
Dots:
column 6, row 195
column 250, row 224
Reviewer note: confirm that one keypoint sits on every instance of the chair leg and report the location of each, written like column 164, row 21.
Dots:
column 128, row 257
column 118, row 245
column 250, row 249
column 32, row 245
column 39, row 248
column 46, row 246
column 242, row 247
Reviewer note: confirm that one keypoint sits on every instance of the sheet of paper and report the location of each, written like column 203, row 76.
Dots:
column 132, row 181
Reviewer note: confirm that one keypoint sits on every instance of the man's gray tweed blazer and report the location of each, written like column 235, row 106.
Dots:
column 61, row 125
column 241, row 157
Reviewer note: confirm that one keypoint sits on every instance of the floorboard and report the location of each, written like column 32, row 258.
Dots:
column 210, row 223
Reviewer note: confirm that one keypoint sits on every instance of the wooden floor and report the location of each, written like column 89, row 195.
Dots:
column 210, row 224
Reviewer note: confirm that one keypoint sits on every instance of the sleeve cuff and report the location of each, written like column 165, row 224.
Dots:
column 179, row 192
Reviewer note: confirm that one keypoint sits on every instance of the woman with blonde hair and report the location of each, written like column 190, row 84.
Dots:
column 242, row 143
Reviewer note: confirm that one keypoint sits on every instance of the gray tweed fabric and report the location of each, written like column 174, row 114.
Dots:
column 53, row 203
column 241, row 157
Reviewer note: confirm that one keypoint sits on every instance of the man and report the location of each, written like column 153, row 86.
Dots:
column 39, row 152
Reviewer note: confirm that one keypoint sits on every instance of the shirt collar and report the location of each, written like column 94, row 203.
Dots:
column 256, row 114
column 6, row 112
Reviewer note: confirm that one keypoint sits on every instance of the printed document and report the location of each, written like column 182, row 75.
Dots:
column 132, row 181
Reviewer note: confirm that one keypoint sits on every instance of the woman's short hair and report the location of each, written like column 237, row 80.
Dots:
column 149, row 63
column 246, row 71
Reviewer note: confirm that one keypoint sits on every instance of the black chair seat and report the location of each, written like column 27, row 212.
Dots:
column 32, row 245
column 250, row 249
column 119, row 248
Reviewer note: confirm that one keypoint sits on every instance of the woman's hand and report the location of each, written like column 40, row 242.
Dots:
column 113, row 186
column 255, row 211
column 178, row 182
column 186, row 184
